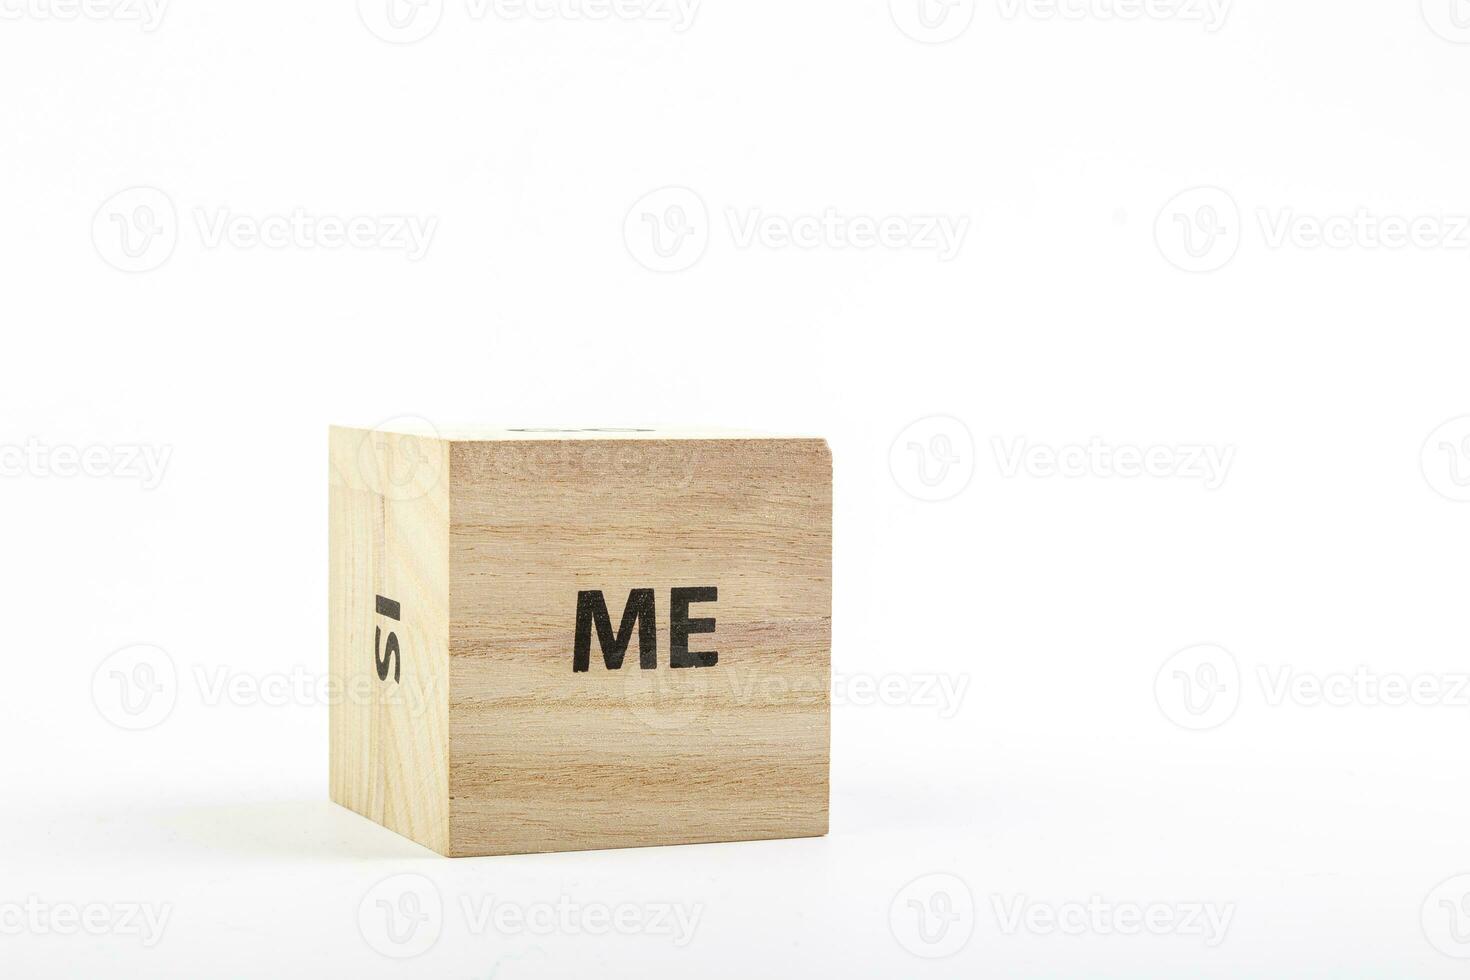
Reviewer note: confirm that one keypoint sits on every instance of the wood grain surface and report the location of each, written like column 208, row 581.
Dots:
column 537, row 756
column 389, row 536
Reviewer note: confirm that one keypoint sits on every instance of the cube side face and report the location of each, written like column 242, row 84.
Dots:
column 722, row 546
column 389, row 627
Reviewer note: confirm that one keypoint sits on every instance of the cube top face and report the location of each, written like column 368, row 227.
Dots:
column 459, row 433
column 608, row 641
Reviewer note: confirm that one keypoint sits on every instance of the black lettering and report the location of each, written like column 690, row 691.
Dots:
column 390, row 653
column 387, row 607
column 592, row 608
column 681, row 626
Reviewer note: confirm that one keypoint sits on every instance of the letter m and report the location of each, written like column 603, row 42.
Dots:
column 592, row 608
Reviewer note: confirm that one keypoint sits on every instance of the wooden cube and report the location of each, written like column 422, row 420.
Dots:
column 548, row 641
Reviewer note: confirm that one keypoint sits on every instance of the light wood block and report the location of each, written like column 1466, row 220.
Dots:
column 477, row 722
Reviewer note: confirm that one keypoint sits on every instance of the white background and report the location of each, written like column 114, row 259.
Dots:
column 1088, row 304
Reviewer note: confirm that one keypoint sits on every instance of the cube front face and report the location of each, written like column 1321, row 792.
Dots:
column 636, row 645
